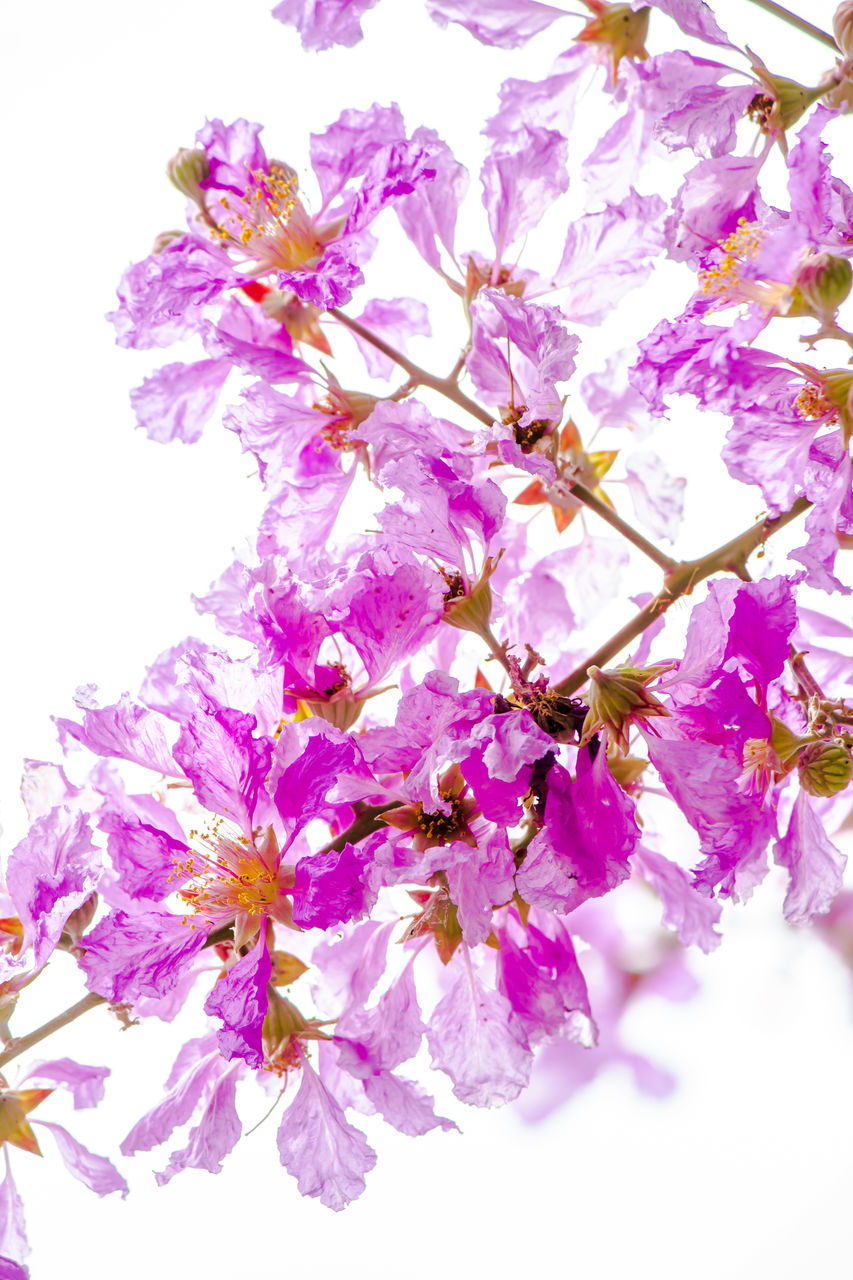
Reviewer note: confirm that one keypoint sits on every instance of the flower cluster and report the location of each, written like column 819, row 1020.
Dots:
column 385, row 827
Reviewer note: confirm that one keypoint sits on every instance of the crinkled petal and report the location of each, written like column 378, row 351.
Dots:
column 814, row 864
column 177, row 400
column 190, row 1077
column 51, row 872
column 128, row 956
column 689, row 913
column 521, row 178
column 385, row 1035
column 95, row 1172
column 508, row 24
column 403, row 1104
column 126, row 730
column 331, row 888
column 607, row 253
column 216, row 1134
column 226, row 764
column 239, row 1000
column 475, row 1038
column 324, row 23
column 86, row 1084
column 13, row 1232
column 328, row 1156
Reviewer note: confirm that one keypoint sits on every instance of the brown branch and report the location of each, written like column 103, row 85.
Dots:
column 794, row 20
column 731, row 557
column 19, row 1046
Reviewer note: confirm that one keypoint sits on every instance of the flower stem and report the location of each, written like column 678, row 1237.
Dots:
column 800, row 23
column 19, row 1046
column 731, row 557
column 616, row 522
column 444, row 386
column 449, row 389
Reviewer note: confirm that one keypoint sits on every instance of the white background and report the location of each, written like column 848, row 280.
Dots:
column 746, row 1172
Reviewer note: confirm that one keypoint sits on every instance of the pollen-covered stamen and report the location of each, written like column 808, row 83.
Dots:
column 760, row 110
column 430, row 827
column 527, row 436
column 811, row 402
column 230, row 877
column 268, row 223
column 439, row 827
column 455, row 585
column 722, row 280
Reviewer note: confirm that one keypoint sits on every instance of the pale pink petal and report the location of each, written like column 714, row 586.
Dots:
column 328, row 1156
column 95, row 1172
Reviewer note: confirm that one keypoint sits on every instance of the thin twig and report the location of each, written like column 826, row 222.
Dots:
column 20, row 1045
column 444, row 386
column 731, row 557
column 627, row 531
column 795, row 21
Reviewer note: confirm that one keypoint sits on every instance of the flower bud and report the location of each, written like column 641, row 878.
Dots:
column 842, row 27
column 825, row 768
column 788, row 100
column 470, row 608
column 627, row 770
column 285, row 968
column 619, row 698
column 824, row 281
column 187, row 170
column 78, row 922
column 618, row 27
column 341, row 710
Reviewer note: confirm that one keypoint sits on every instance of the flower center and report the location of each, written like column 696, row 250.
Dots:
column 439, row 826
column 228, row 877
column 722, row 280
column 812, row 403
column 269, row 222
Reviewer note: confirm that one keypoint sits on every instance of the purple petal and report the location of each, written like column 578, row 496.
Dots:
column 331, row 888
column 504, row 23
column 163, row 297
column 475, row 1038
column 733, row 827
column 327, row 1155
column 186, row 1085
column 95, row 1172
column 402, row 1104
column 590, row 831
column 689, row 913
column 126, row 956
column 522, row 176
column 478, row 880
column 124, row 729
column 344, row 150
column 607, row 253
column 382, row 1037
column 694, row 17
column 225, row 763
column 239, row 1000
column 144, row 857
column 324, row 23
column 51, row 872
column 543, row 982
column 815, row 865
column 13, row 1233
column 85, row 1083
column 177, row 400
column 216, row 1134
column 394, row 321
column 395, row 171
column 231, row 150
